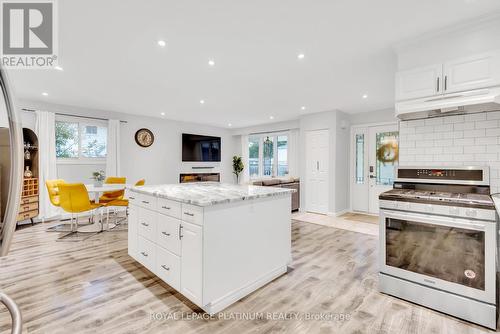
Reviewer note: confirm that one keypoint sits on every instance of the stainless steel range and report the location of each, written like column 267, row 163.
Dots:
column 438, row 241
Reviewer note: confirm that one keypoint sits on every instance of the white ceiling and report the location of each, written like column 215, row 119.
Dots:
column 112, row 61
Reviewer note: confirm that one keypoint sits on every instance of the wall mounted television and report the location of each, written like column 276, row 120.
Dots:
column 199, row 148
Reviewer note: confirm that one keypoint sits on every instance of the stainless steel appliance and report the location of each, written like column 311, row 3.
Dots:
column 438, row 241
column 11, row 164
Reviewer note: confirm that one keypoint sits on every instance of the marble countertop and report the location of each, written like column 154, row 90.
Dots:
column 210, row 193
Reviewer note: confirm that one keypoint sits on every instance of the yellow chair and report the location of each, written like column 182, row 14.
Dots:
column 113, row 195
column 122, row 202
column 53, row 190
column 74, row 199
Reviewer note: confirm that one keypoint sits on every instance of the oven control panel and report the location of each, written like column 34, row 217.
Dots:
column 442, row 174
column 442, row 210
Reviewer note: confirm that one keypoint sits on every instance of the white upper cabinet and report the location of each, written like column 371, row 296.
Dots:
column 458, row 75
column 480, row 71
column 419, row 82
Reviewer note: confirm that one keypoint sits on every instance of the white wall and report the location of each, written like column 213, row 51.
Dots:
column 342, row 150
column 378, row 116
column 160, row 163
column 460, row 41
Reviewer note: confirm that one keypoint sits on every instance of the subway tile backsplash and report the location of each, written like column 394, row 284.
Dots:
column 461, row 140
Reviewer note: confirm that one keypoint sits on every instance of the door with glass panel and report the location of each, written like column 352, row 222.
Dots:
column 375, row 153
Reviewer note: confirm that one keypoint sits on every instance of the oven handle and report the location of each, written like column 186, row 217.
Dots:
column 432, row 220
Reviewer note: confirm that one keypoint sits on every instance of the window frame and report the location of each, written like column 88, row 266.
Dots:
column 82, row 122
column 261, row 138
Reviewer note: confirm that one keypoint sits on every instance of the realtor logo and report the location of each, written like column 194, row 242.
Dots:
column 29, row 34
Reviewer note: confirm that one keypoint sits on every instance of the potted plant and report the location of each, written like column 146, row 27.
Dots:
column 98, row 178
column 237, row 167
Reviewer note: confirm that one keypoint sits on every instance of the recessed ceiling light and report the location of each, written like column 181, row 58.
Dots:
column 365, row 96
column 162, row 43
column 271, row 117
column 163, row 114
column 303, row 108
column 202, row 101
column 45, row 94
column 229, row 124
column 301, row 56
column 211, row 62
column 59, row 68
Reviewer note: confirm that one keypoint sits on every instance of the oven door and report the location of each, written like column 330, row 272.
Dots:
column 450, row 254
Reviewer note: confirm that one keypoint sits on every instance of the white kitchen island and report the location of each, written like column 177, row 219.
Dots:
column 214, row 243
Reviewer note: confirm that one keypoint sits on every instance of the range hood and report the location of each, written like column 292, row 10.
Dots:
column 450, row 104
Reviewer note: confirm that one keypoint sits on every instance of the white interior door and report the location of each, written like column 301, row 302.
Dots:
column 374, row 152
column 317, row 153
column 383, row 158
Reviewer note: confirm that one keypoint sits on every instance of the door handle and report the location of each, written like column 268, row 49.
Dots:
column 437, row 85
column 317, row 165
column 445, row 83
column 166, row 234
column 373, row 176
column 180, row 231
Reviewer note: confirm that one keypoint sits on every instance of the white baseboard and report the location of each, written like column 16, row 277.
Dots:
column 221, row 303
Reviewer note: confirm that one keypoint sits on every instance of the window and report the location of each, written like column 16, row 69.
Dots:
column 360, row 158
column 268, row 155
column 80, row 141
column 253, row 157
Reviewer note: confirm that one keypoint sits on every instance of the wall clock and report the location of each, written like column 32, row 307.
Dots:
column 144, row 137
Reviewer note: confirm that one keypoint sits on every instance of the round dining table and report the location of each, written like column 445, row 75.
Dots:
column 97, row 191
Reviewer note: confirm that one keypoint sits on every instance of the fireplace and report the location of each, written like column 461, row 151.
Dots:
column 199, row 177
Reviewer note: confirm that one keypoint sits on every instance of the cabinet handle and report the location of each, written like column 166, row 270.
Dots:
column 165, row 233
column 165, row 267
column 189, row 214
column 145, row 202
column 130, row 197
column 180, row 231
column 144, row 224
column 144, row 254
column 165, row 207
column 445, row 83
column 438, row 84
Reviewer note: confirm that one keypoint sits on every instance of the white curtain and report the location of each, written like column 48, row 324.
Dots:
column 293, row 153
column 45, row 129
column 245, row 177
column 113, row 148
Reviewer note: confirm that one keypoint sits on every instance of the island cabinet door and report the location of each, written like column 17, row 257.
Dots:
column 132, row 231
column 168, row 233
column 191, row 262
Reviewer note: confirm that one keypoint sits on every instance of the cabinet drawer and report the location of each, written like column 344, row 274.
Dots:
column 192, row 214
column 167, row 236
column 28, row 207
column 27, row 200
column 169, row 208
column 27, row 215
column 146, row 222
column 147, row 201
column 133, row 198
column 146, row 253
column 168, row 267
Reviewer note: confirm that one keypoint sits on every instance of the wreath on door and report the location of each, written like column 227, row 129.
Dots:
column 388, row 153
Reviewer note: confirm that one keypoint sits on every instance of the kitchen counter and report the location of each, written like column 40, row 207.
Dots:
column 210, row 193
column 214, row 243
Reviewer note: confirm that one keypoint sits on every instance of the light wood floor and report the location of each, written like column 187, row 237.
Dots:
column 95, row 287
